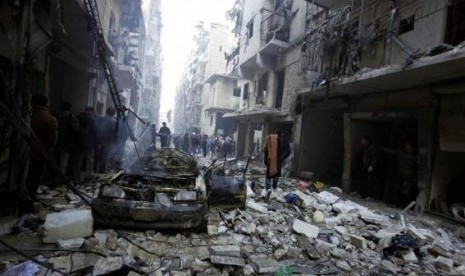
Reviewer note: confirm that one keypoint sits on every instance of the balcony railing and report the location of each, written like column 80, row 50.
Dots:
column 275, row 25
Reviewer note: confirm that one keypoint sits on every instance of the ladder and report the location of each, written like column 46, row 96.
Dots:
column 104, row 57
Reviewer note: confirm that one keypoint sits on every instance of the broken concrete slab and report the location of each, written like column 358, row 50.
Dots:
column 108, row 265
column 358, row 241
column 308, row 200
column 444, row 263
column 279, row 254
column 327, row 197
column 307, row 229
column 258, row 207
column 226, row 255
column 68, row 225
column 410, row 257
column 441, row 247
column 373, row 218
column 348, row 207
column 70, row 243
column 263, row 264
column 420, row 239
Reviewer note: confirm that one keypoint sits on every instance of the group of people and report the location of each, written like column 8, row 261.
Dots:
column 205, row 145
column 76, row 143
column 371, row 169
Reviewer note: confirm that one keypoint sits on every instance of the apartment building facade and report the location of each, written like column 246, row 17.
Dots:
column 330, row 71
column 150, row 99
column 206, row 92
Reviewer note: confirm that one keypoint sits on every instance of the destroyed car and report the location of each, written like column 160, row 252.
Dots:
column 166, row 190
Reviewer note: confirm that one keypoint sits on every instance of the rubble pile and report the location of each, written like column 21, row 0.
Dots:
column 302, row 229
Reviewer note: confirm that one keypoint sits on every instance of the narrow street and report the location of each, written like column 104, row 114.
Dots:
column 232, row 137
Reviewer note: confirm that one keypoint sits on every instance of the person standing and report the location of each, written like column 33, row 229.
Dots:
column 85, row 148
column 124, row 132
column 153, row 136
column 68, row 132
column 407, row 162
column 107, row 136
column 164, row 133
column 277, row 149
column 45, row 128
column 371, row 170
column 205, row 142
column 185, row 143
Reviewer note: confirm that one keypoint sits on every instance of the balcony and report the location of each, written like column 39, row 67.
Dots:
column 275, row 27
column 125, row 76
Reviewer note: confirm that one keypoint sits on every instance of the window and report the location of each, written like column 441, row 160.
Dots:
column 211, row 120
column 250, row 29
column 406, row 25
column 245, row 95
column 237, row 92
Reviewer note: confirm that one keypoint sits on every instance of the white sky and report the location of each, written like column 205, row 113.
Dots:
column 179, row 18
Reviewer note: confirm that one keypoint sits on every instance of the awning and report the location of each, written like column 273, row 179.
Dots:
column 256, row 115
column 212, row 108
column 426, row 71
column 215, row 76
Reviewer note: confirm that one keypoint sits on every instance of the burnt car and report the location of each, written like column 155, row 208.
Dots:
column 167, row 190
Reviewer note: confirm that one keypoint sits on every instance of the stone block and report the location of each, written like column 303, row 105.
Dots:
column 256, row 206
column 263, row 264
column 307, row 229
column 444, row 263
column 358, row 241
column 327, row 197
column 410, row 257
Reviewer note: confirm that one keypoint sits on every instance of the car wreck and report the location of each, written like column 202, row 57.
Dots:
column 167, row 190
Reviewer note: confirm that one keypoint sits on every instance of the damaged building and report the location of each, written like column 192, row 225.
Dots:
column 206, row 91
column 330, row 72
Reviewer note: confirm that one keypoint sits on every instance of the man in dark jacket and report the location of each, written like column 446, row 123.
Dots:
column 107, row 136
column 277, row 149
column 371, row 170
column 45, row 128
column 84, row 150
column 164, row 133
column 68, row 132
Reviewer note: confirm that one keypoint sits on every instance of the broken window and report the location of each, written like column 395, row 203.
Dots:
column 237, row 92
column 245, row 95
column 262, row 87
column 250, row 29
column 406, row 25
column 280, row 89
column 455, row 30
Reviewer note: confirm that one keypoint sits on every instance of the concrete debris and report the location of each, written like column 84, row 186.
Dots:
column 256, row 206
column 373, row 218
column 226, row 255
column 108, row 265
column 444, row 263
column 326, row 233
column 68, row 225
column 358, row 241
column 410, row 257
column 71, row 243
column 327, row 197
column 264, row 264
column 307, row 229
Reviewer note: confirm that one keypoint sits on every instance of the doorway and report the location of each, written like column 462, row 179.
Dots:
column 279, row 89
column 388, row 136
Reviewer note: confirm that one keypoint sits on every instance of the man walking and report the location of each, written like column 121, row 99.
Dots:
column 87, row 141
column 164, row 133
column 107, row 136
column 277, row 149
column 45, row 127
column 68, row 131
